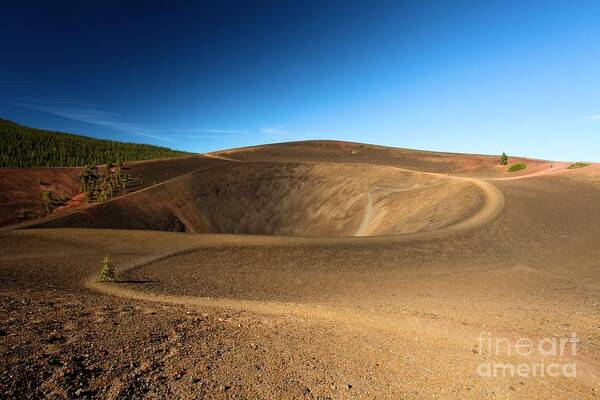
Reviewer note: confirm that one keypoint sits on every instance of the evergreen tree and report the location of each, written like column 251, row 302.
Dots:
column 107, row 271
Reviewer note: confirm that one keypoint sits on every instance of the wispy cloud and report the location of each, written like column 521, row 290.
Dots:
column 277, row 132
column 595, row 117
column 88, row 114
column 281, row 133
column 223, row 131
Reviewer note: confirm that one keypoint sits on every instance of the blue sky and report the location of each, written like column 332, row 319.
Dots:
column 477, row 77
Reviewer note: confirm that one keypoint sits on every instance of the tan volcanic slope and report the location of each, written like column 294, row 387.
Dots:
column 393, row 315
column 289, row 199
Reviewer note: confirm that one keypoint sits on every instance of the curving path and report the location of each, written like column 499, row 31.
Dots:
column 492, row 206
column 364, row 225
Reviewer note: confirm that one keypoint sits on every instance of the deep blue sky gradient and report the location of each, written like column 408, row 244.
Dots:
column 480, row 77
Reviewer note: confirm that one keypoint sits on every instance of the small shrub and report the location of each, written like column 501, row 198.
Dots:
column 503, row 159
column 107, row 271
column 517, row 167
column 46, row 201
column 579, row 164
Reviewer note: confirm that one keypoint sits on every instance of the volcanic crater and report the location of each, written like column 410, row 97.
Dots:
column 289, row 199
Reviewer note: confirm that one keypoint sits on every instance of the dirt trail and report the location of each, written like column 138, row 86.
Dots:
column 364, row 225
column 273, row 316
column 404, row 326
column 492, row 206
column 219, row 157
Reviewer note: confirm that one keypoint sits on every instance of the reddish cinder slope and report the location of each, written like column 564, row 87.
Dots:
column 20, row 194
column 21, row 188
column 346, row 152
column 289, row 199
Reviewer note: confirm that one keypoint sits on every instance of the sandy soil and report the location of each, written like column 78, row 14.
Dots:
column 212, row 315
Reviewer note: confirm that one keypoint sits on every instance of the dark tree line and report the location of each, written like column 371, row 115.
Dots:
column 21, row 147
